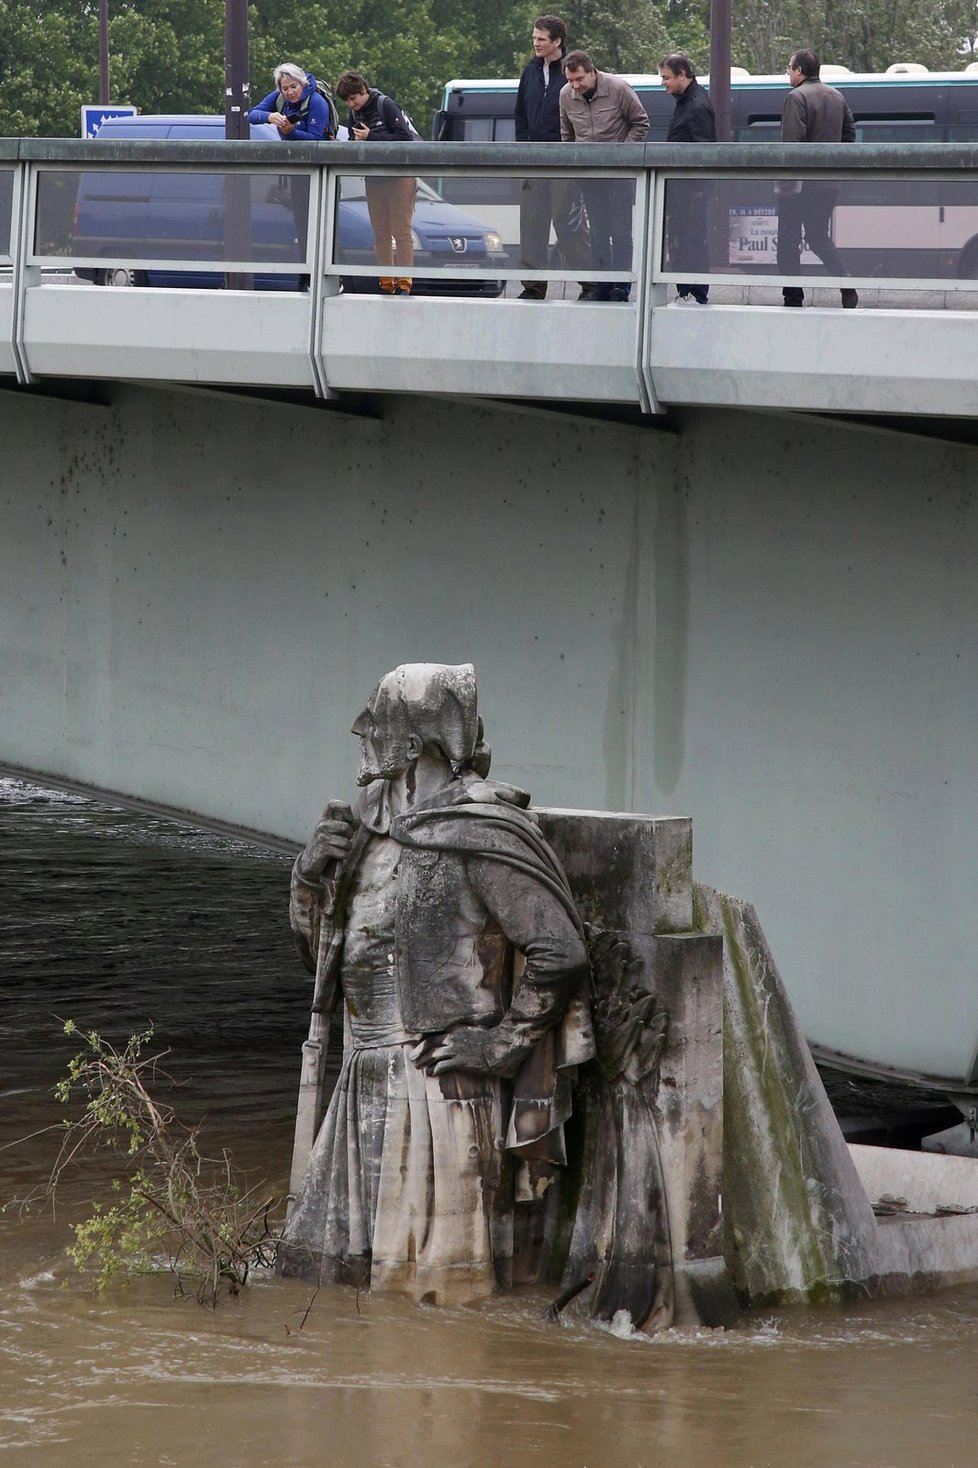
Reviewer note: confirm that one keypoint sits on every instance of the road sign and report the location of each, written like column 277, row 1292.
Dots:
column 93, row 116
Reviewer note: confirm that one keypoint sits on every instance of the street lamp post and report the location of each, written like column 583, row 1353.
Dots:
column 720, row 66
column 237, row 87
column 237, row 186
column 103, row 53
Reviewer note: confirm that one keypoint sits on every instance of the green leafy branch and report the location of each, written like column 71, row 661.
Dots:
column 176, row 1208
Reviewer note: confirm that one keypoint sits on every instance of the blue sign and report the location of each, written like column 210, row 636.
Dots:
column 92, row 117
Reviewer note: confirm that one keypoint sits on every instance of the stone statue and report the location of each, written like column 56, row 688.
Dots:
column 444, row 920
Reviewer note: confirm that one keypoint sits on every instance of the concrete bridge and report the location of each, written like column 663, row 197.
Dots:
column 716, row 562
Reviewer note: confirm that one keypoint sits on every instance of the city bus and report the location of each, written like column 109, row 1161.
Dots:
column 934, row 237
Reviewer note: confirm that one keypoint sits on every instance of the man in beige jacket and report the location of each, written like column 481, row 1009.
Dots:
column 596, row 107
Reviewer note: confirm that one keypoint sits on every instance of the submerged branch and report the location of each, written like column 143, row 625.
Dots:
column 171, row 1198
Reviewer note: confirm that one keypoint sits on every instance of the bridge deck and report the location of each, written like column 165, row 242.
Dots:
column 905, row 217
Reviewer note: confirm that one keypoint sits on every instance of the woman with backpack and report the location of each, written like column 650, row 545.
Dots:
column 390, row 201
column 297, row 107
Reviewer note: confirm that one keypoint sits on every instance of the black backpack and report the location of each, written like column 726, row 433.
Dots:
column 415, row 135
column 326, row 92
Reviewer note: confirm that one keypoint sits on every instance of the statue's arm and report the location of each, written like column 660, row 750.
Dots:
column 327, row 847
column 538, row 925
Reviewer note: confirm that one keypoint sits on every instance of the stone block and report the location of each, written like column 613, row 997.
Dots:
column 642, row 1198
column 627, row 872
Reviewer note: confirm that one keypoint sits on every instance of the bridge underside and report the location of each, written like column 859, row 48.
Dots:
column 761, row 621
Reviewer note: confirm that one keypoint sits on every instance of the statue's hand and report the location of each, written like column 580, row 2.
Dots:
column 330, row 841
column 466, row 1048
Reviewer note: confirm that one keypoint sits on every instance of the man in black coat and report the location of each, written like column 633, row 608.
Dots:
column 686, row 202
column 546, row 201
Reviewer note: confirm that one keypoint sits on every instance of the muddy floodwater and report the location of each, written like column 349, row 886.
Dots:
column 116, row 919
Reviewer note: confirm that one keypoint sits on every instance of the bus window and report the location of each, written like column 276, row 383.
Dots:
column 476, row 129
column 504, row 130
column 918, row 129
column 759, row 130
column 963, row 128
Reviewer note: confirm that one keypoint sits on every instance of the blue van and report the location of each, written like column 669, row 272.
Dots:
column 181, row 215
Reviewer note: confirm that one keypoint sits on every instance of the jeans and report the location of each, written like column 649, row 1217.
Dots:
column 609, row 204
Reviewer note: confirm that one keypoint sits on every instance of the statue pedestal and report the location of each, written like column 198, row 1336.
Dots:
column 640, row 1204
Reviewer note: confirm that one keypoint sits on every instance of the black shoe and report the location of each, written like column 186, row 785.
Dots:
column 849, row 300
column 618, row 293
column 794, row 298
column 600, row 293
column 531, row 296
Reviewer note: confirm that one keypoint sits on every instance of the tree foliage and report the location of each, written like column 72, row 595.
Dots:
column 865, row 35
column 168, row 55
column 173, row 1208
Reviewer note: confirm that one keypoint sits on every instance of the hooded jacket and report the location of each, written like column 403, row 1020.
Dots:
column 309, row 128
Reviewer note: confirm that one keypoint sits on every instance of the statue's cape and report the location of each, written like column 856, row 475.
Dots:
column 483, row 818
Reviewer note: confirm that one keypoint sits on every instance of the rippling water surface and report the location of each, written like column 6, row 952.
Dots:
column 116, row 918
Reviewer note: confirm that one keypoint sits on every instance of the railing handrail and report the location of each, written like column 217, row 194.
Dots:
column 428, row 158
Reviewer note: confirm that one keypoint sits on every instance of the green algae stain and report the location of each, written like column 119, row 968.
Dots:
column 764, row 1178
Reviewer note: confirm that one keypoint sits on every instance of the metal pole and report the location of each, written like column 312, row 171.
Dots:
column 237, row 104
column 103, row 53
column 720, row 66
column 237, row 101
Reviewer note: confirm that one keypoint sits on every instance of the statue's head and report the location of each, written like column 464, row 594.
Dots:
column 417, row 708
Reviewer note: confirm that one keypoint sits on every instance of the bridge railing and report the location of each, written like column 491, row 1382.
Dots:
column 295, row 220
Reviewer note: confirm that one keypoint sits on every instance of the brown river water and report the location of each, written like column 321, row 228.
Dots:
column 115, row 918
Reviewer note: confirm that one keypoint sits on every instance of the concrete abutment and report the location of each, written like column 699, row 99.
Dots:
column 761, row 622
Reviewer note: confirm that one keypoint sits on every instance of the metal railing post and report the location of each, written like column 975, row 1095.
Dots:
column 22, row 217
column 650, row 293
column 321, row 285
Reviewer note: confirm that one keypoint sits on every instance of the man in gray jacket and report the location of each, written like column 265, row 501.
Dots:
column 596, row 107
column 813, row 113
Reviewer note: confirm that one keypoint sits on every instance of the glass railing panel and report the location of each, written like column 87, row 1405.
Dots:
column 888, row 229
column 158, row 215
column 484, row 228
column 6, row 210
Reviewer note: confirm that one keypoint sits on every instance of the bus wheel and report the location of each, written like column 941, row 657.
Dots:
column 968, row 264
column 120, row 277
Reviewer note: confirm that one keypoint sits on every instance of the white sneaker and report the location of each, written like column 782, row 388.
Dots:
column 689, row 301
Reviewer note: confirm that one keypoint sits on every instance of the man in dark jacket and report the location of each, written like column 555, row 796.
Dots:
column 686, row 206
column 813, row 113
column 546, row 201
